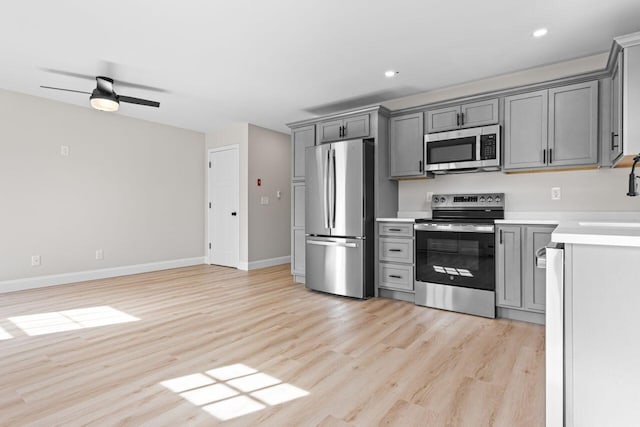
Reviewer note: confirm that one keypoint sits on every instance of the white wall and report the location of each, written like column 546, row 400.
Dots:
column 129, row 187
column 593, row 190
column 269, row 225
column 583, row 191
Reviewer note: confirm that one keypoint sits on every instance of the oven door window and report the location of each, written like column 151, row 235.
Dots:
column 452, row 150
column 458, row 259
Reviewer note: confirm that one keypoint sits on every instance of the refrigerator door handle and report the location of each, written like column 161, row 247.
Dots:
column 325, row 188
column 332, row 243
column 333, row 191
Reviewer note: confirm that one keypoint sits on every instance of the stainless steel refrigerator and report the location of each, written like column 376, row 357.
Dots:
column 339, row 218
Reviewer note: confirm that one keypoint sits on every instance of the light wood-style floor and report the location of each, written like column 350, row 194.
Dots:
column 342, row 362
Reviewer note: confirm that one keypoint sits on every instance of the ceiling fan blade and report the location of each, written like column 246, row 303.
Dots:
column 69, row 73
column 139, row 101
column 66, row 90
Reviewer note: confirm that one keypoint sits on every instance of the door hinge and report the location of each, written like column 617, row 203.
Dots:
column 209, row 245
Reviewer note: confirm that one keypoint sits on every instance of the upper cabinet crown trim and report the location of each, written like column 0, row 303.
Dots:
column 343, row 114
column 628, row 40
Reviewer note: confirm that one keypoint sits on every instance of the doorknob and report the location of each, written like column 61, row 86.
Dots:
column 233, row 213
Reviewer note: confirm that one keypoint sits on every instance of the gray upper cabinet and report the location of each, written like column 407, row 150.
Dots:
column 508, row 267
column 443, row 119
column 463, row 116
column 301, row 138
column 525, row 130
column 406, row 146
column 573, row 125
column 479, row 113
column 348, row 128
column 535, row 281
column 552, row 128
column 615, row 138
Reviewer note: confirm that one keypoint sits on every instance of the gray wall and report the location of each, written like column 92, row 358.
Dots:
column 130, row 187
column 269, row 225
column 264, row 229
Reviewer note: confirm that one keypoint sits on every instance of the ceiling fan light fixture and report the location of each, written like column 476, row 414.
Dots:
column 104, row 102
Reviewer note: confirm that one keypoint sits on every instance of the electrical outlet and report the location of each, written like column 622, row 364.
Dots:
column 555, row 193
column 64, row 150
column 99, row 254
column 264, row 200
column 35, row 260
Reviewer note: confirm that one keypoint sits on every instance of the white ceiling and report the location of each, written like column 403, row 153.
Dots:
column 271, row 62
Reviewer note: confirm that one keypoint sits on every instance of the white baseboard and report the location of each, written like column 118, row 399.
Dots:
column 263, row 263
column 82, row 276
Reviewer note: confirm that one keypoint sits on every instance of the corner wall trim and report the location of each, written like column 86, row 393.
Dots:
column 263, row 263
column 81, row 276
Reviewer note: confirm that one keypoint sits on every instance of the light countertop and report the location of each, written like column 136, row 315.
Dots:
column 608, row 233
column 396, row 219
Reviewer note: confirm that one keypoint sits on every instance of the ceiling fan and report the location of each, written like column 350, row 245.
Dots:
column 104, row 98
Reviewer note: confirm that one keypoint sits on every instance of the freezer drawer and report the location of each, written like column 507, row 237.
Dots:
column 396, row 250
column 336, row 265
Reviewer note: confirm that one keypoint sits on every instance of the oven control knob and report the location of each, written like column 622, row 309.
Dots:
column 435, row 200
column 482, row 199
column 497, row 199
column 442, row 199
column 489, row 199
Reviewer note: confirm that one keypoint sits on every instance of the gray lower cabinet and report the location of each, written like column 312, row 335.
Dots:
column 520, row 285
column 509, row 267
column 357, row 126
column 472, row 114
column 301, row 138
column 396, row 260
column 552, row 128
column 406, row 147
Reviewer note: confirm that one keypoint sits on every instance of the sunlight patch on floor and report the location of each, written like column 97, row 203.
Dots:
column 234, row 390
column 68, row 320
column 4, row 335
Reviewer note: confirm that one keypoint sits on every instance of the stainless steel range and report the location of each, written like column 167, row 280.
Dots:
column 455, row 253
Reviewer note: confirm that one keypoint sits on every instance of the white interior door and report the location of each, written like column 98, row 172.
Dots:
column 224, row 194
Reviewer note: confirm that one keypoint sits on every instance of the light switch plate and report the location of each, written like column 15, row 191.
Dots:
column 264, row 200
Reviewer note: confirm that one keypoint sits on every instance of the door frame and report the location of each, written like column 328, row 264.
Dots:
column 210, row 151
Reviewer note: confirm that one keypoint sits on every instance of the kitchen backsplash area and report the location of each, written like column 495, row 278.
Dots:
column 581, row 191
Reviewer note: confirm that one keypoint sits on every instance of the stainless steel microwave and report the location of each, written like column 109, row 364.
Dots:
column 466, row 150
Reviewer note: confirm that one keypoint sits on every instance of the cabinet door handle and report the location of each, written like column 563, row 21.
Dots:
column 462, row 119
column 550, row 155
column 500, row 236
column 457, row 119
column 395, row 276
column 544, row 156
column 395, row 250
column 395, row 229
column 613, row 136
column 419, row 165
column 340, row 131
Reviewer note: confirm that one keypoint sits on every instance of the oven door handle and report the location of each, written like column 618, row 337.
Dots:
column 456, row 228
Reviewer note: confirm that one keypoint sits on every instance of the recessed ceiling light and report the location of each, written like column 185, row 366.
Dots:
column 540, row 32
column 390, row 73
